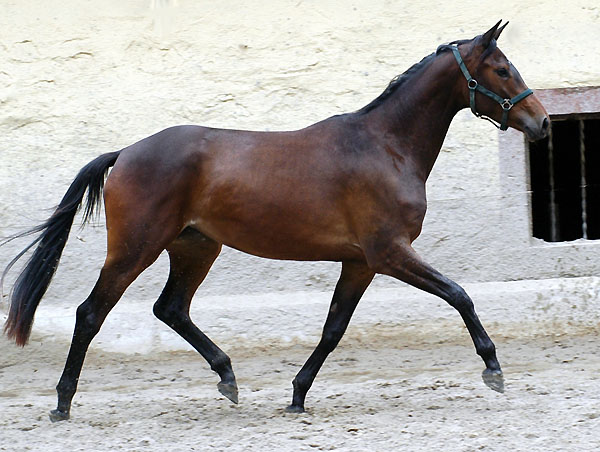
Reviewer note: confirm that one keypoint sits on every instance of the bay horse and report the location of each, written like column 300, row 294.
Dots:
column 350, row 189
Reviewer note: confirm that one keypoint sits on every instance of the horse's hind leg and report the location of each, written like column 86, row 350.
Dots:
column 115, row 277
column 191, row 256
column 353, row 282
column 136, row 237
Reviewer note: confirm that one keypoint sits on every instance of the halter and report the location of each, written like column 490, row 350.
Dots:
column 506, row 104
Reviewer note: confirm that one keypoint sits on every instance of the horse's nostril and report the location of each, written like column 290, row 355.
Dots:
column 545, row 124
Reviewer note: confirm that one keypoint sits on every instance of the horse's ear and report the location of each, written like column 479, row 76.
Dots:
column 497, row 35
column 490, row 34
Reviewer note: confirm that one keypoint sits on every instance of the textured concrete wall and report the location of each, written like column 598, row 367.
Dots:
column 80, row 78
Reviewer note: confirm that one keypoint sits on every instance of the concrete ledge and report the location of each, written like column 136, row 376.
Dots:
column 507, row 309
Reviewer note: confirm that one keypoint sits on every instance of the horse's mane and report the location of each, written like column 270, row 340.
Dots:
column 399, row 80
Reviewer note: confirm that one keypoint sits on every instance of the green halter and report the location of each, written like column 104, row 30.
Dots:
column 506, row 104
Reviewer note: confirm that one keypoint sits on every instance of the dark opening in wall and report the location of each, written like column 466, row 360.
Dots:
column 565, row 181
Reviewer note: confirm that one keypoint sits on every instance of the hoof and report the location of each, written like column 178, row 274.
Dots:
column 493, row 379
column 229, row 390
column 56, row 415
column 294, row 409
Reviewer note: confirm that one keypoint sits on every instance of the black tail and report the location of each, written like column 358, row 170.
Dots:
column 32, row 283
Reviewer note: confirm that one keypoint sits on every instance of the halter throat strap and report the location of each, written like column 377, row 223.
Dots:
column 473, row 86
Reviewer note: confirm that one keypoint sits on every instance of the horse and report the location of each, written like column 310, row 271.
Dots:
column 349, row 189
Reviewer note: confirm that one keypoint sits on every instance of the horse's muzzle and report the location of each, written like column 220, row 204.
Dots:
column 539, row 130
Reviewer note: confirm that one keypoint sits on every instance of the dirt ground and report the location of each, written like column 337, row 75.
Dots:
column 380, row 390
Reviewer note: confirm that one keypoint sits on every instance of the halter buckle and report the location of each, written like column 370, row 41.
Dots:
column 506, row 104
column 472, row 84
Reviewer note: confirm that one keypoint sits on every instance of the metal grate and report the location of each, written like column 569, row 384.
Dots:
column 565, row 182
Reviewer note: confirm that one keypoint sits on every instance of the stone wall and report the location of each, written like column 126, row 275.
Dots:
column 80, row 78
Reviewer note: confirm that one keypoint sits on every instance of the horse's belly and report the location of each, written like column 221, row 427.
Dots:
column 282, row 238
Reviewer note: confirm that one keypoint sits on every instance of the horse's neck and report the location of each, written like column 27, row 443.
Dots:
column 419, row 114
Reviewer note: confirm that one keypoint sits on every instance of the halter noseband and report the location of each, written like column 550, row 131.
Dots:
column 506, row 104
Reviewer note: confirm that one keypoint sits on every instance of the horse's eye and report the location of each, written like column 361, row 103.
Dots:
column 502, row 72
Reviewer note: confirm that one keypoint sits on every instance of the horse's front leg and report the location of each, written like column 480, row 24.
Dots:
column 400, row 261
column 353, row 282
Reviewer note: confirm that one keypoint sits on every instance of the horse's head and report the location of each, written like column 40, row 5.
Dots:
column 494, row 88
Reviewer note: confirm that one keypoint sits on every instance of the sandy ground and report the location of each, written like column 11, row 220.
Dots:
column 381, row 390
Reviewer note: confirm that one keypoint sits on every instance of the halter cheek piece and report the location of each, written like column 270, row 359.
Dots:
column 506, row 104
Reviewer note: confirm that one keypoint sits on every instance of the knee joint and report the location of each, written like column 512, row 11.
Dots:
column 459, row 299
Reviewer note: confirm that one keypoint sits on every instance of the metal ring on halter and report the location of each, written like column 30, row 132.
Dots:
column 473, row 85
column 507, row 104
